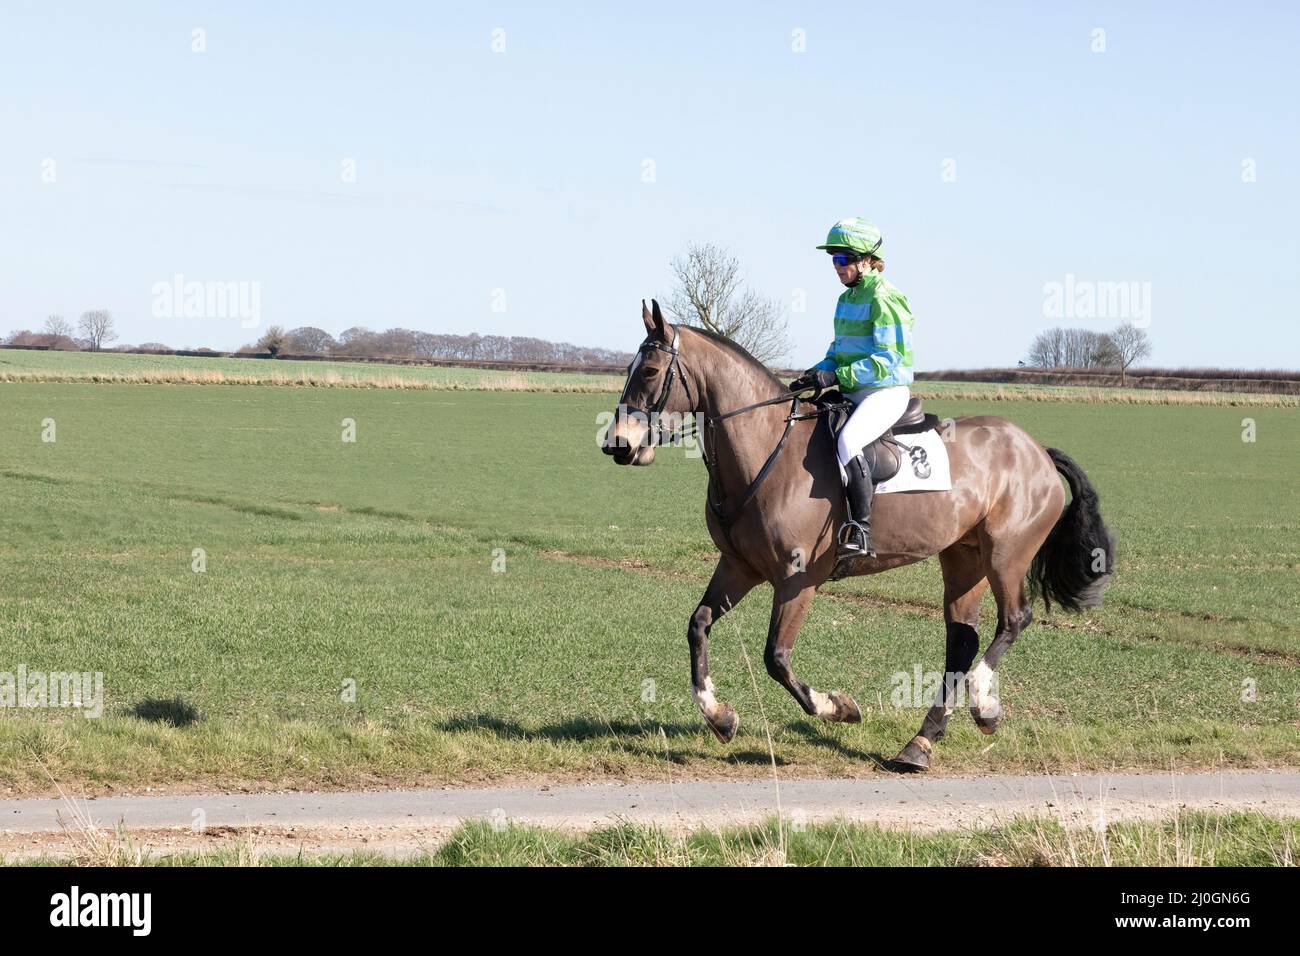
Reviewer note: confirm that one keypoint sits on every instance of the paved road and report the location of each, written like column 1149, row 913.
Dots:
column 923, row 802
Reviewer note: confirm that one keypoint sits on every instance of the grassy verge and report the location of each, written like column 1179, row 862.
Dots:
column 1186, row 838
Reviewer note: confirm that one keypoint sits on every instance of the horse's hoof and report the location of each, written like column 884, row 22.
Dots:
column 846, row 708
column 987, row 725
column 914, row 757
column 987, row 718
column 724, row 724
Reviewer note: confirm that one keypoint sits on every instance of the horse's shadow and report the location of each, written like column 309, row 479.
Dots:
column 815, row 734
column 643, row 737
column 570, row 730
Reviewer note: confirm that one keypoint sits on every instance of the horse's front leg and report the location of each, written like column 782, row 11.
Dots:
column 789, row 608
column 964, row 585
column 731, row 581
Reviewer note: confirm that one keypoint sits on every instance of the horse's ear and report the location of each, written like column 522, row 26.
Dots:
column 648, row 318
column 660, row 325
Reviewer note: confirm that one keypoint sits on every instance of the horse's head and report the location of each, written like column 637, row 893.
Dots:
column 654, row 387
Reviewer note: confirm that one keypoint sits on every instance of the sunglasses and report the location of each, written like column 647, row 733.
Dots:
column 845, row 258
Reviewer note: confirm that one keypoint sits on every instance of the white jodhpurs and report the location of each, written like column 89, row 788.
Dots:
column 876, row 412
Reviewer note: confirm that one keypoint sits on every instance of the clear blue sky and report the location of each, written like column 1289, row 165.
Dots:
column 523, row 170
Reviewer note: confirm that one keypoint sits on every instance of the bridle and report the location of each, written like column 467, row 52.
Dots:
column 726, row 517
column 651, row 415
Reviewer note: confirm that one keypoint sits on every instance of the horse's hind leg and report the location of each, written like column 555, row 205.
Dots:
column 789, row 608
column 1007, row 563
column 731, row 582
column 964, row 585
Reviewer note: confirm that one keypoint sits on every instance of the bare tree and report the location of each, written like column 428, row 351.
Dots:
column 273, row 340
column 1048, row 349
column 1128, row 344
column 709, row 295
column 395, row 342
column 530, row 349
column 308, row 340
column 357, row 341
column 96, row 327
column 426, row 344
column 1071, row 348
column 1085, row 348
column 1106, row 354
column 498, row 348
column 57, row 334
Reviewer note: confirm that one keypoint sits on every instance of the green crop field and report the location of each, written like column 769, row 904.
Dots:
column 471, row 592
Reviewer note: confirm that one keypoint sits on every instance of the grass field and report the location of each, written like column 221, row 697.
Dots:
column 372, row 562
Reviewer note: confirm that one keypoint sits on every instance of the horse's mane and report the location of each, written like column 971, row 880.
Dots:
column 739, row 352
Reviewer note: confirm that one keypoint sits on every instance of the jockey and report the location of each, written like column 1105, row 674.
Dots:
column 870, row 362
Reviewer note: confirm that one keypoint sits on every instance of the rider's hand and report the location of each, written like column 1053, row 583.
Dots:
column 815, row 378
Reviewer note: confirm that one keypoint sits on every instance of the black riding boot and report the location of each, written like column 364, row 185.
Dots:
column 855, row 535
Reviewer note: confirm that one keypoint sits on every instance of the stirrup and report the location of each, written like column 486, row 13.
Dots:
column 854, row 541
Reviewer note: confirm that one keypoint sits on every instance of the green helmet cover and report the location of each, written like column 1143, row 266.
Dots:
column 856, row 234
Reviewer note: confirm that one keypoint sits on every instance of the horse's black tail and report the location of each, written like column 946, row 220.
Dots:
column 1076, row 561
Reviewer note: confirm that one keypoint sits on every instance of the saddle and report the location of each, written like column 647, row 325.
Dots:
column 883, row 455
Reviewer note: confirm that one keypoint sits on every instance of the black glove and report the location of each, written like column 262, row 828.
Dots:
column 815, row 378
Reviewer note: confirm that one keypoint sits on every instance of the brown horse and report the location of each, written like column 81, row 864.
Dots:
column 776, row 499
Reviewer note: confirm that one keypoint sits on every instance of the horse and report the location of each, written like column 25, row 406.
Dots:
column 773, row 516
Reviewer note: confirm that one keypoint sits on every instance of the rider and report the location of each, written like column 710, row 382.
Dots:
column 870, row 362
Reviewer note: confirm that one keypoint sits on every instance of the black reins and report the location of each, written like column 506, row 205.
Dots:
column 725, row 517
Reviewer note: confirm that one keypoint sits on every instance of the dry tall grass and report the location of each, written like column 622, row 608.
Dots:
column 1105, row 396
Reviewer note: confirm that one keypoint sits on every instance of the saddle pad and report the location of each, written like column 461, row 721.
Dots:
column 924, row 466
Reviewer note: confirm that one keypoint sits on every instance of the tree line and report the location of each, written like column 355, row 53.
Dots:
column 361, row 342
column 708, row 294
column 95, row 331
column 1086, row 348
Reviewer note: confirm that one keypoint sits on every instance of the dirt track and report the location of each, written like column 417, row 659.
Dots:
column 401, row 821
